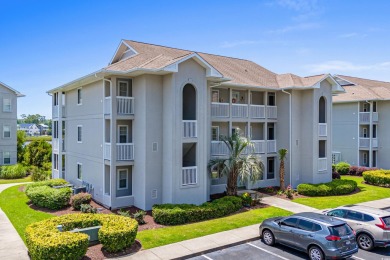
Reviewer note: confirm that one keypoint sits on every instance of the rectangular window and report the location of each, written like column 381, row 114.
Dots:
column 122, row 179
column 374, row 106
column 365, row 107
column 6, row 157
column 79, row 97
column 6, row 105
column 79, row 133
column 55, row 99
column 123, row 88
column 374, row 130
column 79, row 171
column 271, row 131
column 55, row 163
column 122, row 134
column 235, row 96
column 215, row 133
column 270, row 168
column 271, row 99
column 365, row 159
column 365, row 135
column 322, row 149
column 6, row 131
column 55, row 130
column 215, row 96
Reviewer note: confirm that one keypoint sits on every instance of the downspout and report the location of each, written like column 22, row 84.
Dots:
column 290, row 144
column 370, row 153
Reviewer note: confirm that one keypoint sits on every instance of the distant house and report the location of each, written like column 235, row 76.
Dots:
column 43, row 129
column 8, row 112
column 30, row 129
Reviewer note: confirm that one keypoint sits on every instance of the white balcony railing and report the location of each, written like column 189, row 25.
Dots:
column 374, row 143
column 322, row 164
column 272, row 112
column 189, row 128
column 63, row 145
column 107, row 151
column 55, row 111
column 189, row 176
column 219, row 109
column 271, row 146
column 240, row 110
column 63, row 111
column 364, row 142
column 107, row 105
column 55, row 144
column 364, row 117
column 257, row 111
column 259, row 146
column 125, row 105
column 219, row 148
column 125, row 152
column 322, row 129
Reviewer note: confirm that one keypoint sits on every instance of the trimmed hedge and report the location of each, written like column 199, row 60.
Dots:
column 44, row 241
column 81, row 198
column 342, row 168
column 335, row 187
column 13, row 171
column 43, row 195
column 378, row 177
column 176, row 214
column 358, row 171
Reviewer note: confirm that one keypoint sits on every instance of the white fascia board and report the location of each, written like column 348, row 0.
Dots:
column 341, row 78
column 116, row 54
column 18, row 94
column 336, row 87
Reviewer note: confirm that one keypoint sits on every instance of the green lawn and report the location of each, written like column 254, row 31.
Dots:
column 6, row 181
column 14, row 204
column 164, row 236
column 367, row 193
column 43, row 137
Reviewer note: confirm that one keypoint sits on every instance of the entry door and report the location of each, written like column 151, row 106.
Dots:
column 123, row 134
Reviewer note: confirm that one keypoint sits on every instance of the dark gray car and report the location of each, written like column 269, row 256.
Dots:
column 320, row 236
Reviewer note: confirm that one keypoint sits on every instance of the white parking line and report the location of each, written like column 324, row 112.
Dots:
column 269, row 252
column 205, row 256
column 358, row 258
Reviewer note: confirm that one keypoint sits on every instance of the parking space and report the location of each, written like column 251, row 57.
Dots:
column 258, row 250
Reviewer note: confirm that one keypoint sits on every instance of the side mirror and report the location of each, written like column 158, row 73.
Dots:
column 279, row 223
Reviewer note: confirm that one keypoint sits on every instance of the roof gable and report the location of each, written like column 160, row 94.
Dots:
column 17, row 93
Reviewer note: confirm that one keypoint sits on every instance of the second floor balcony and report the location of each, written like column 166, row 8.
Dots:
column 364, row 117
column 124, row 105
column 56, row 111
column 124, row 151
column 365, row 143
column 225, row 110
column 219, row 148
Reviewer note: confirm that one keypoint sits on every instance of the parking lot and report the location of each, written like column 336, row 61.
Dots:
column 258, row 250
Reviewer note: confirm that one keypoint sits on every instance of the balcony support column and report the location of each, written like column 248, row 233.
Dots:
column 60, row 131
column 113, row 136
column 370, row 154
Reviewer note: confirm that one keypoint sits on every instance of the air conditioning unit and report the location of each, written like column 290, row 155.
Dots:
column 77, row 190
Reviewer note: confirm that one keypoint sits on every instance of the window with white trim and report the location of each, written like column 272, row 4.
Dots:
column 215, row 96
column 79, row 96
column 122, row 179
column 79, row 171
column 215, row 133
column 6, row 131
column 6, row 157
column 55, row 99
column 79, row 133
column 6, row 105
column 365, row 158
column 270, row 168
column 55, row 161
column 123, row 88
column 122, row 133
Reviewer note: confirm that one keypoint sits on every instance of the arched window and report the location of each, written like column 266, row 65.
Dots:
column 322, row 110
column 189, row 102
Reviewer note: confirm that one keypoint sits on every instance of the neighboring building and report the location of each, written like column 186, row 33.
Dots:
column 29, row 129
column 361, row 122
column 43, row 129
column 8, row 117
column 142, row 130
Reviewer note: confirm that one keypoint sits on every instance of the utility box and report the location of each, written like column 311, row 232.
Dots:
column 92, row 233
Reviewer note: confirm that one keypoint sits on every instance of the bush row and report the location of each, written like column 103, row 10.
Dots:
column 45, row 241
column 344, row 168
column 176, row 214
column 81, row 198
column 335, row 187
column 13, row 171
column 43, row 195
column 377, row 177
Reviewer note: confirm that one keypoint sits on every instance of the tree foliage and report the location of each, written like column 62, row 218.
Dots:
column 282, row 156
column 21, row 139
column 37, row 153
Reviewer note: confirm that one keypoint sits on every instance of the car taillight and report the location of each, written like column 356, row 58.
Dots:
column 382, row 225
column 333, row 238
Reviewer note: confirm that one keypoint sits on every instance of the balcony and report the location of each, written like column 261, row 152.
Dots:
column 55, row 112
column 365, row 143
column 322, row 164
column 364, row 117
column 189, row 128
column 189, row 176
column 219, row 109
column 124, row 105
column 124, row 151
column 259, row 146
column 219, row 148
column 257, row 111
column 271, row 146
column 55, row 143
column 240, row 110
column 272, row 112
column 322, row 129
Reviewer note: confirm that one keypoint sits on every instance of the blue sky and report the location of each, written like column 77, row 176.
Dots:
column 44, row 44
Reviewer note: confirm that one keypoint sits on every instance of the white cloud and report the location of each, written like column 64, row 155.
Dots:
column 353, row 35
column 346, row 66
column 231, row 44
column 297, row 27
column 299, row 5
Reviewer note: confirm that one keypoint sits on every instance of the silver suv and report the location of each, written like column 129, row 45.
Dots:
column 372, row 226
column 318, row 235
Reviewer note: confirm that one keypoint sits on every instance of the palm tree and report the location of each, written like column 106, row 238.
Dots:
column 238, row 166
column 282, row 156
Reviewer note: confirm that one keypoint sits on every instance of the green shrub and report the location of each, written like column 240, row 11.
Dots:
column 39, row 174
column 43, row 195
column 335, row 187
column 377, row 177
column 124, row 213
column 86, row 208
column 80, row 198
column 139, row 216
column 342, row 168
column 44, row 241
column 13, row 171
column 176, row 214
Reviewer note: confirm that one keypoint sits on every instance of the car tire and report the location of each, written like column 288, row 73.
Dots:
column 365, row 242
column 315, row 253
column 268, row 237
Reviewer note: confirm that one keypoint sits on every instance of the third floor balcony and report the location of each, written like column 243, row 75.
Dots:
column 124, row 105
column 364, row 117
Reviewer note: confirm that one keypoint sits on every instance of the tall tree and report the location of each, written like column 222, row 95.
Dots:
column 238, row 166
column 37, row 153
column 282, row 156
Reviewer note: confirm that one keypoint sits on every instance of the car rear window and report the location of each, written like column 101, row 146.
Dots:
column 340, row 230
column 386, row 220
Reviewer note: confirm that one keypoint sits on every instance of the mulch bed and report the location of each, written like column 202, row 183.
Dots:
column 96, row 252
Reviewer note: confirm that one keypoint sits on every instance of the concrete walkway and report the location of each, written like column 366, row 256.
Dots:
column 286, row 204
column 11, row 245
column 379, row 204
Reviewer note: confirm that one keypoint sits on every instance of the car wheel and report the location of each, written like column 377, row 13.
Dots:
column 315, row 253
column 268, row 237
column 365, row 242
